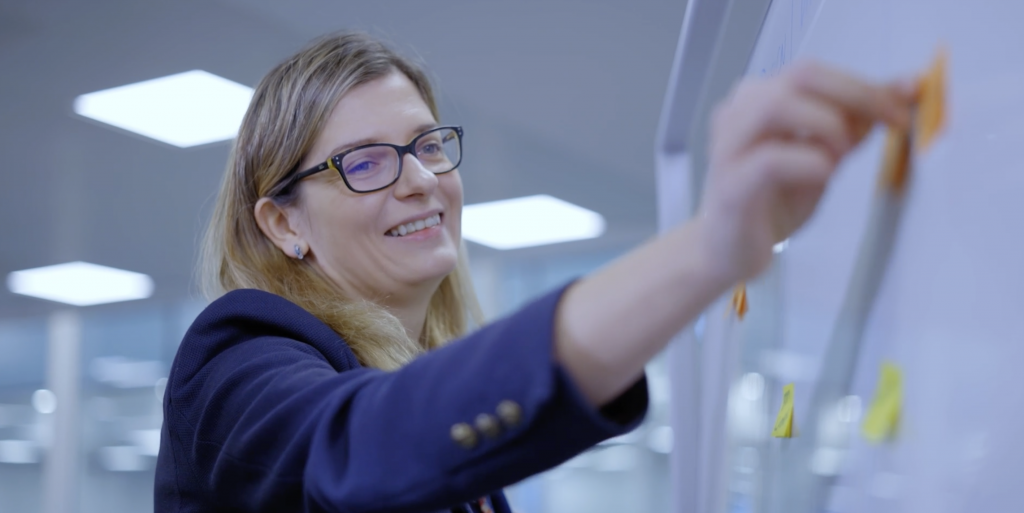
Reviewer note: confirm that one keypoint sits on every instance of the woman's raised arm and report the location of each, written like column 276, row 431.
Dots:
column 775, row 144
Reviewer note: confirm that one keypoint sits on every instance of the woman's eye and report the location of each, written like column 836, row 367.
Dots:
column 429, row 149
column 363, row 167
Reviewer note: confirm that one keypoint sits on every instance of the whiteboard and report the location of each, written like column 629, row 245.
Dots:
column 949, row 309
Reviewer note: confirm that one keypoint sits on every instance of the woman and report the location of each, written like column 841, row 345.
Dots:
column 323, row 380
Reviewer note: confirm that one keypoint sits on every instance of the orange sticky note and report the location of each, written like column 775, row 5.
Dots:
column 739, row 300
column 928, row 122
column 931, row 103
column 896, row 160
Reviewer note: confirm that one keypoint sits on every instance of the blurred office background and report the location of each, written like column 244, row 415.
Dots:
column 557, row 97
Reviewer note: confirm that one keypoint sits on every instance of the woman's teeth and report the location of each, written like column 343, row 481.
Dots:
column 415, row 226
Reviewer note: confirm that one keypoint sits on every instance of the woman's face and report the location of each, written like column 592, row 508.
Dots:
column 349, row 235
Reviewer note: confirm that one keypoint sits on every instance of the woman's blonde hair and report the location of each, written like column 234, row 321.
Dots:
column 288, row 110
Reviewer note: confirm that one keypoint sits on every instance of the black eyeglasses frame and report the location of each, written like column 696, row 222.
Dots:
column 334, row 162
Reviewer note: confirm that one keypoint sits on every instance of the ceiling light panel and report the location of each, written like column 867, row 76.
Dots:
column 80, row 284
column 186, row 109
column 529, row 221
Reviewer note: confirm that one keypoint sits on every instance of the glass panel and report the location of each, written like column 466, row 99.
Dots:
column 22, row 428
column 126, row 353
column 628, row 473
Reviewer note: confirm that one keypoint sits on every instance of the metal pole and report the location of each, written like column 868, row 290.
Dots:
column 60, row 468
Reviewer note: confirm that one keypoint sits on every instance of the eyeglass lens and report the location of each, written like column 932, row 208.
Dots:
column 374, row 167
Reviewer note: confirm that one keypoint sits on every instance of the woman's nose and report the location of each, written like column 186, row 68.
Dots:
column 415, row 178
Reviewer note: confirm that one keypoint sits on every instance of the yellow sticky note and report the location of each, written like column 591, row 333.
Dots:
column 883, row 418
column 739, row 300
column 785, row 419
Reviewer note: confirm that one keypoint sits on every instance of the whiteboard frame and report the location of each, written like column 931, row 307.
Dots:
column 714, row 48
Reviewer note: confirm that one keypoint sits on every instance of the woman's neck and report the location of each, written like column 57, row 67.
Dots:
column 412, row 317
column 408, row 303
column 411, row 308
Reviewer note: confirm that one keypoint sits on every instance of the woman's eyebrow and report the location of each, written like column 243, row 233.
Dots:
column 342, row 147
column 373, row 140
column 422, row 128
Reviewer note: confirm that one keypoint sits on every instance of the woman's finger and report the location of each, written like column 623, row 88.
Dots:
column 857, row 97
column 779, row 164
column 809, row 120
column 774, row 110
column 797, row 176
column 859, row 128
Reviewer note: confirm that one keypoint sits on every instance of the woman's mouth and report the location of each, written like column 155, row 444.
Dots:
column 414, row 226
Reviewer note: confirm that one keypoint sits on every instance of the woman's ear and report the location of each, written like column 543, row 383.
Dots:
column 277, row 224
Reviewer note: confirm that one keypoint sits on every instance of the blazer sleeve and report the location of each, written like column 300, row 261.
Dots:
column 269, row 418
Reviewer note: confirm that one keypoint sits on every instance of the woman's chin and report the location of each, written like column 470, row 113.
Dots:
column 432, row 270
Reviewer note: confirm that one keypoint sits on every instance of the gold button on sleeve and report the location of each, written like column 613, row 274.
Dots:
column 464, row 435
column 510, row 413
column 488, row 425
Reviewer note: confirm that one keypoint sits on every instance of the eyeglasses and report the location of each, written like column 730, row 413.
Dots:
column 373, row 167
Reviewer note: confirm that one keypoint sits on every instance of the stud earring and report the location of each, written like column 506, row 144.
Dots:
column 298, row 252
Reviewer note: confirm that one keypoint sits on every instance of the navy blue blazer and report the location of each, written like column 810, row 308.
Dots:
column 267, row 409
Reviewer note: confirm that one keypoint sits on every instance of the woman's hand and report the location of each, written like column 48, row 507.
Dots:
column 775, row 144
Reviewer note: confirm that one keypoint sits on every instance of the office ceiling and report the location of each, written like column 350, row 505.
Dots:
column 557, row 96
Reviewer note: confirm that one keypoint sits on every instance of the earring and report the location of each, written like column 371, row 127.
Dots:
column 298, row 252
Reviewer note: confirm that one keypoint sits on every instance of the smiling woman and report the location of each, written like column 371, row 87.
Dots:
column 344, row 229
column 329, row 374
column 301, row 119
